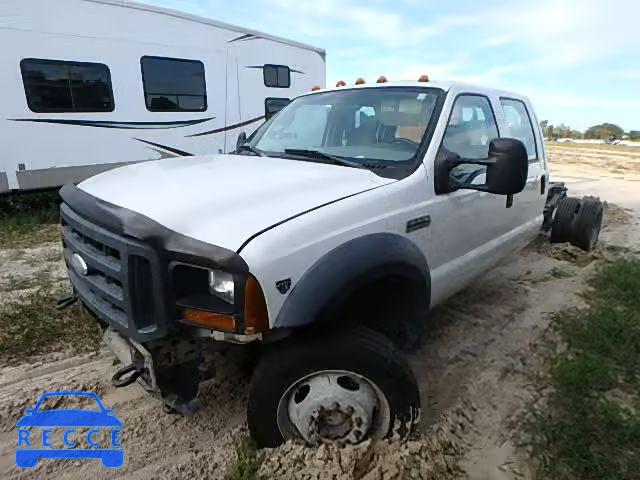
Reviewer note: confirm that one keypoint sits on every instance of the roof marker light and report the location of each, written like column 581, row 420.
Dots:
column 316, row 87
column 341, row 83
column 360, row 81
column 381, row 79
column 423, row 78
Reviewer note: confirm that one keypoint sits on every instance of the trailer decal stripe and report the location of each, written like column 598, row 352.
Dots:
column 122, row 125
column 182, row 153
column 230, row 127
column 242, row 37
column 261, row 67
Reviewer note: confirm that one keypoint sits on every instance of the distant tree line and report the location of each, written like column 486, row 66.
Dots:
column 604, row 131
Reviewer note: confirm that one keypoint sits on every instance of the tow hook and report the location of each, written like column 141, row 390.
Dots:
column 66, row 302
column 122, row 378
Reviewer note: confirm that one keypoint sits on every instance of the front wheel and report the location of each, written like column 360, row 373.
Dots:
column 341, row 388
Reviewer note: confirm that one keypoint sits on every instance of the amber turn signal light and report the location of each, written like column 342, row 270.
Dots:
column 423, row 78
column 316, row 87
column 341, row 83
column 256, row 317
column 216, row 321
column 360, row 81
column 381, row 79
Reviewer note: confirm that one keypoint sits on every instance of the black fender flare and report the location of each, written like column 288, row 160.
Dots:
column 347, row 268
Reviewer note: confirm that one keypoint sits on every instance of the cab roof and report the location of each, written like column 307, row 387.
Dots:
column 444, row 85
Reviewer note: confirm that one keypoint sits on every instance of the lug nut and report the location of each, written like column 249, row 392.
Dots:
column 350, row 410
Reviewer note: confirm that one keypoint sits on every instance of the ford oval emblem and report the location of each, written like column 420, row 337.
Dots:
column 79, row 265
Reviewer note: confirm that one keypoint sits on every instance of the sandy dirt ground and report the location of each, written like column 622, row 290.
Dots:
column 476, row 370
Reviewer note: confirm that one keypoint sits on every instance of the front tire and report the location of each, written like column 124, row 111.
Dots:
column 339, row 388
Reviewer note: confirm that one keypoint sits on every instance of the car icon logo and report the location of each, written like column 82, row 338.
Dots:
column 79, row 265
column 73, row 422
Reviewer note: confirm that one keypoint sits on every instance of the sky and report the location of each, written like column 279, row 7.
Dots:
column 578, row 60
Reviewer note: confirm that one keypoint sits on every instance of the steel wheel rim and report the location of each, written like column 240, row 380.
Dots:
column 334, row 407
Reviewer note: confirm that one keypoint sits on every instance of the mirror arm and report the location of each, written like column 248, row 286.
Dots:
column 453, row 162
column 483, row 161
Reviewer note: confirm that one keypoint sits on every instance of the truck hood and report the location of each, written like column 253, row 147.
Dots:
column 225, row 199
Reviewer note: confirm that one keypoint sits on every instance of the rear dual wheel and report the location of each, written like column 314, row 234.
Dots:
column 588, row 223
column 578, row 222
column 341, row 389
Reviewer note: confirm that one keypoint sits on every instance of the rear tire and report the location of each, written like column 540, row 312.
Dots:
column 563, row 220
column 305, row 379
column 587, row 225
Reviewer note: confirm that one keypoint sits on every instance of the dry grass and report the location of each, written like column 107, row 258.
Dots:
column 614, row 149
column 29, row 219
column 32, row 324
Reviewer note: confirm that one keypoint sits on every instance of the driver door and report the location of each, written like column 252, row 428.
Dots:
column 466, row 223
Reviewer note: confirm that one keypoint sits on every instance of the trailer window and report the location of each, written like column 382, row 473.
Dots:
column 173, row 84
column 274, row 105
column 277, row 76
column 60, row 86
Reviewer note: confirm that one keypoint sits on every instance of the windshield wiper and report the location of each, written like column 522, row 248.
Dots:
column 318, row 154
column 245, row 147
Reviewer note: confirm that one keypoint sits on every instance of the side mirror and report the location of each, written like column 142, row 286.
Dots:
column 242, row 139
column 507, row 168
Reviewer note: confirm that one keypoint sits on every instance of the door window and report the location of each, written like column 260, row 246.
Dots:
column 60, row 86
column 520, row 126
column 173, row 84
column 471, row 127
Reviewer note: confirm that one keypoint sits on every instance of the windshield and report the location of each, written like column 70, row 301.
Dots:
column 361, row 125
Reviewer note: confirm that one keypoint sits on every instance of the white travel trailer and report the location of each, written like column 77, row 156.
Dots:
column 88, row 85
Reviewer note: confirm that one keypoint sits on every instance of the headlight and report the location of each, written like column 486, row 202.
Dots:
column 221, row 285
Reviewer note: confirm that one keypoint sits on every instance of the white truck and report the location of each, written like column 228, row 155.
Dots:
column 89, row 85
column 321, row 244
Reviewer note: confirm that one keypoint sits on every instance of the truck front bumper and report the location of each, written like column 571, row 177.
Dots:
column 170, row 372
